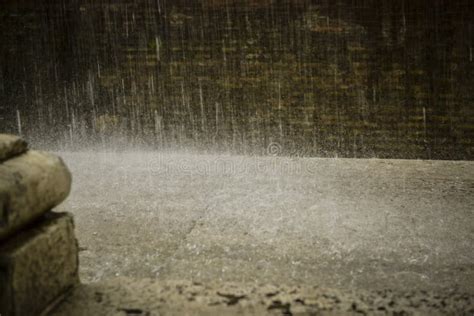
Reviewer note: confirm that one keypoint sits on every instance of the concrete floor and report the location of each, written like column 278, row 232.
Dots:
column 343, row 223
column 339, row 223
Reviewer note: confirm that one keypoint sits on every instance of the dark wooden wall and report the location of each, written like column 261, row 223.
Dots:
column 360, row 78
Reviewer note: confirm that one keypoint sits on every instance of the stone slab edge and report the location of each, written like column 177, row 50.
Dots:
column 30, row 185
column 38, row 265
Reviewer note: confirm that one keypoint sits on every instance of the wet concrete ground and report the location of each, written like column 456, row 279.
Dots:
column 338, row 223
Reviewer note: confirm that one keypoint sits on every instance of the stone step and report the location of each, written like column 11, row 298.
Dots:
column 30, row 185
column 38, row 265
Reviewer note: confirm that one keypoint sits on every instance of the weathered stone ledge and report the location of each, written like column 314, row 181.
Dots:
column 38, row 265
column 38, row 248
column 30, row 185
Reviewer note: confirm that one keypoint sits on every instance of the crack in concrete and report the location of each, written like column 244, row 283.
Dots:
column 183, row 241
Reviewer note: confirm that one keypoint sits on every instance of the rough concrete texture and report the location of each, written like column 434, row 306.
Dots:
column 11, row 146
column 30, row 185
column 150, row 297
column 337, row 223
column 38, row 265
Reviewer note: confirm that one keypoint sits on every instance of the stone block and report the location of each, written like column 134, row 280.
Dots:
column 38, row 265
column 30, row 185
column 11, row 146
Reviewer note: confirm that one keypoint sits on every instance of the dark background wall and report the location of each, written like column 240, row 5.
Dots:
column 352, row 78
